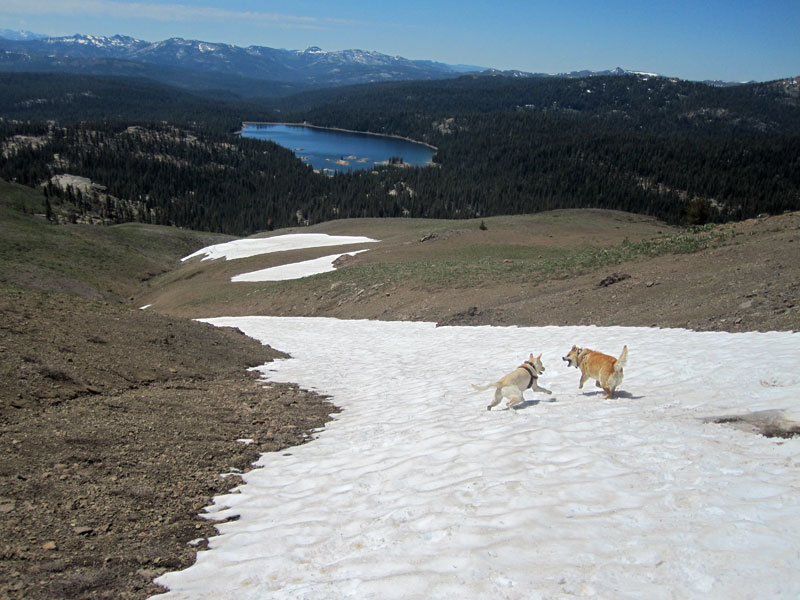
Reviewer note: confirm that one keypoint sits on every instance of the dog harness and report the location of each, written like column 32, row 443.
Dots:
column 528, row 366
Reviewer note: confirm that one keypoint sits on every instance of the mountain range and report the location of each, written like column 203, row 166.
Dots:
column 15, row 34
column 251, row 71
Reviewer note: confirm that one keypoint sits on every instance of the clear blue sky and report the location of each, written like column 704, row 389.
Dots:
column 731, row 40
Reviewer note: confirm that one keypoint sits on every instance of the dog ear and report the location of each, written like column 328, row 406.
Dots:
column 530, row 357
column 539, row 357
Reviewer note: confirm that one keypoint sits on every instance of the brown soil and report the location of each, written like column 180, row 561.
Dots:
column 751, row 282
column 748, row 280
column 116, row 424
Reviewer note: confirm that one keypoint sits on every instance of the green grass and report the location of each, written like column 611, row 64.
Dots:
column 481, row 265
column 110, row 259
column 20, row 199
column 118, row 259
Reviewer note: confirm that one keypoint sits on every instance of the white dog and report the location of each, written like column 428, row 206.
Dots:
column 515, row 383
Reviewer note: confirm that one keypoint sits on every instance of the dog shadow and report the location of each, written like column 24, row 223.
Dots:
column 617, row 394
column 528, row 403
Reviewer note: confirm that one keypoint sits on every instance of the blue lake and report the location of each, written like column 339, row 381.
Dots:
column 329, row 150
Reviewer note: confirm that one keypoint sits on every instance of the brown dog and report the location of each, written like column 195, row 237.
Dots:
column 515, row 383
column 606, row 369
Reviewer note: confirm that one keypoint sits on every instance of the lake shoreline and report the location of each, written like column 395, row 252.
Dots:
column 307, row 124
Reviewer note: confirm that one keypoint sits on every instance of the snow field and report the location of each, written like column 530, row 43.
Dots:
column 415, row 490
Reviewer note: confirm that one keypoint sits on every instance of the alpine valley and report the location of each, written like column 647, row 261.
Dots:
column 569, row 205
column 114, row 129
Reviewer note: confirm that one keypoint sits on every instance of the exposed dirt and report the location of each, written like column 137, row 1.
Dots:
column 751, row 282
column 748, row 280
column 750, row 285
column 115, row 427
column 116, row 423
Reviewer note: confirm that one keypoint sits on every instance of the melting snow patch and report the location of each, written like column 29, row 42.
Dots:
column 293, row 241
column 414, row 490
column 769, row 423
column 295, row 270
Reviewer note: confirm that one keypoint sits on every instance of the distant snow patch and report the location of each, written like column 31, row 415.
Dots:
column 294, row 270
column 293, row 241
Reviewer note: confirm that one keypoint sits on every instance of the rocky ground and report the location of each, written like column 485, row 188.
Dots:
column 747, row 279
column 116, row 424
column 748, row 282
column 115, row 428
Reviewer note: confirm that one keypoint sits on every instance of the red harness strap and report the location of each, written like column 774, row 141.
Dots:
column 528, row 366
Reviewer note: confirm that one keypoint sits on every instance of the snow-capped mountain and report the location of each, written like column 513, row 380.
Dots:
column 13, row 34
column 250, row 71
column 87, row 46
column 571, row 74
column 312, row 66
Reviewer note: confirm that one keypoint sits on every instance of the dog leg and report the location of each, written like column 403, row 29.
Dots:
column 583, row 380
column 513, row 394
column 498, row 396
column 513, row 402
column 537, row 388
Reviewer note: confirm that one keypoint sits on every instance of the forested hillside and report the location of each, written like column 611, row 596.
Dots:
column 41, row 97
column 674, row 149
column 654, row 104
column 684, row 152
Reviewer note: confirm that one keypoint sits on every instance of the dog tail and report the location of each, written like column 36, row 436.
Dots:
column 623, row 358
column 483, row 388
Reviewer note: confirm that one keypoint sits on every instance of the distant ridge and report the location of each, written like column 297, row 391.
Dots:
column 201, row 65
column 123, row 55
column 11, row 34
